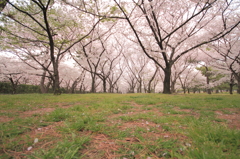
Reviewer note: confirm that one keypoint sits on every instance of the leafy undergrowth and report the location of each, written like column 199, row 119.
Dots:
column 120, row 126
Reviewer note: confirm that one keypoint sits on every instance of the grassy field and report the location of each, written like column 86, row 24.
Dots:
column 120, row 126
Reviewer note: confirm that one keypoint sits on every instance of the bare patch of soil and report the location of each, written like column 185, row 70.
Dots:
column 101, row 147
column 38, row 111
column 4, row 119
column 233, row 120
column 233, row 110
column 188, row 111
column 45, row 110
column 116, row 115
column 183, row 110
column 35, row 112
column 66, row 105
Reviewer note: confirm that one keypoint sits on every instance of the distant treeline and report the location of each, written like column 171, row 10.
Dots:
column 7, row 88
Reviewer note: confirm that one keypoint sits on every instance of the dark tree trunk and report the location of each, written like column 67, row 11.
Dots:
column 111, row 88
column 55, row 60
column 14, row 86
column 56, row 81
column 149, row 88
column 231, row 84
column 56, row 86
column 208, row 89
column 139, row 89
column 167, row 81
column 231, row 88
column 104, row 85
column 93, row 84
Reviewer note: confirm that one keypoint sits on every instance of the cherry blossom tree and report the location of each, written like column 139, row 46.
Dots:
column 98, row 56
column 176, row 28
column 108, row 65
column 226, row 54
column 136, row 65
column 152, row 79
column 44, row 28
column 117, row 61
column 88, row 55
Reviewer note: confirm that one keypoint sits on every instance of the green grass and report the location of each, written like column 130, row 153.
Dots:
column 119, row 126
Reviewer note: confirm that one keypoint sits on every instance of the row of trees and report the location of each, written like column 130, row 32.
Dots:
column 121, row 46
column 140, row 75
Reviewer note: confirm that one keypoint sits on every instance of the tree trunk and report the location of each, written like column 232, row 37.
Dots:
column 55, row 60
column 167, row 81
column 42, row 85
column 14, row 86
column 238, row 85
column 132, row 85
column 139, row 89
column 208, row 89
column 231, row 88
column 173, row 86
column 74, row 85
column 149, row 90
column 231, row 84
column 183, row 85
column 56, row 81
column 56, row 85
column 93, row 90
column 104, row 85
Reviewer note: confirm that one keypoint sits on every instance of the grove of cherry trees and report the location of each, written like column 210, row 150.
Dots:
column 127, row 46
